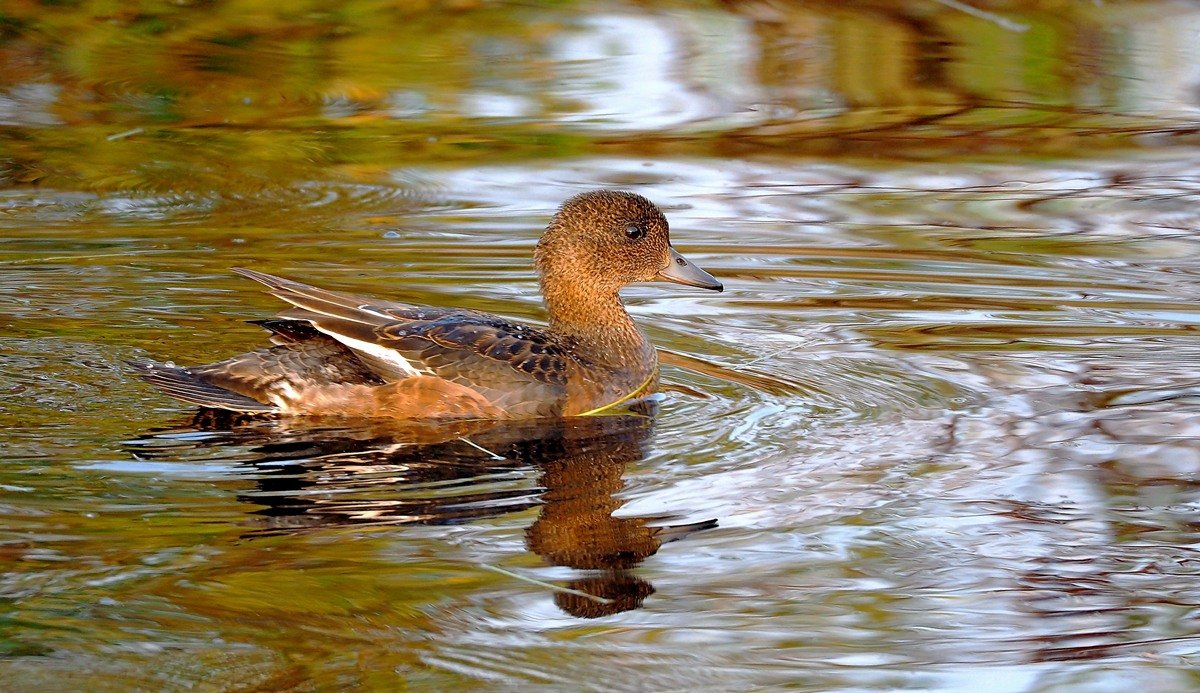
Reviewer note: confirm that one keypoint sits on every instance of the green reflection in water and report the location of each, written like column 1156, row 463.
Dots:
column 945, row 413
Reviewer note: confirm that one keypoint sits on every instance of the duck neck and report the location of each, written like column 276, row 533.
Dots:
column 597, row 321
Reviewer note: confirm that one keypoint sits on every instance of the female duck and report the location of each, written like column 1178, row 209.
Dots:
column 341, row 355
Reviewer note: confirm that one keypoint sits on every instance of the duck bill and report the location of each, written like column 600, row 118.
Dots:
column 681, row 271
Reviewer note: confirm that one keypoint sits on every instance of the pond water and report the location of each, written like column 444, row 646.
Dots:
column 940, row 431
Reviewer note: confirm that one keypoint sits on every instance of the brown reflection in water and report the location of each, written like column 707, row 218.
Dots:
column 315, row 478
column 576, row 527
column 1085, row 596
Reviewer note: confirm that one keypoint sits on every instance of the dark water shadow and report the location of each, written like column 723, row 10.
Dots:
column 312, row 477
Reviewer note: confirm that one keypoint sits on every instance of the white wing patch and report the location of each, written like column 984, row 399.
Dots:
column 370, row 310
column 377, row 354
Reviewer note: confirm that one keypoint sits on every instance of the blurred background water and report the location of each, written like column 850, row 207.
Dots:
column 939, row 433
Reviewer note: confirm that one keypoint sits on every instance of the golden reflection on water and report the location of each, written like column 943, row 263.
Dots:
column 944, row 413
column 160, row 100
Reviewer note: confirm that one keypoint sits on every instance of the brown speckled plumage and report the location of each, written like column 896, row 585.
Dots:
column 342, row 355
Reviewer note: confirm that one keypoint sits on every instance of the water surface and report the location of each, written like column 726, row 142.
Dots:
column 939, row 432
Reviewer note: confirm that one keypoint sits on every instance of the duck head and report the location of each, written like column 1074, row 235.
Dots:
column 606, row 239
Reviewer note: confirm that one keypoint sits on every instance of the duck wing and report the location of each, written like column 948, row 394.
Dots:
column 519, row 368
column 303, row 358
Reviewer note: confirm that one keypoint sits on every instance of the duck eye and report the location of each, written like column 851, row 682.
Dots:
column 635, row 232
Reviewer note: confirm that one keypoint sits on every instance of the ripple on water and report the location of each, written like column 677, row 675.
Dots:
column 944, row 424
column 134, row 202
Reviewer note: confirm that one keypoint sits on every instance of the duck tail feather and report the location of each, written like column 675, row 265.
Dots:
column 184, row 384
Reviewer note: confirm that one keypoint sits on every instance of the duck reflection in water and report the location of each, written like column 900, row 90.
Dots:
column 395, row 473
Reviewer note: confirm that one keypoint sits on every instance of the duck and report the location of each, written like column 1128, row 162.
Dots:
column 337, row 354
